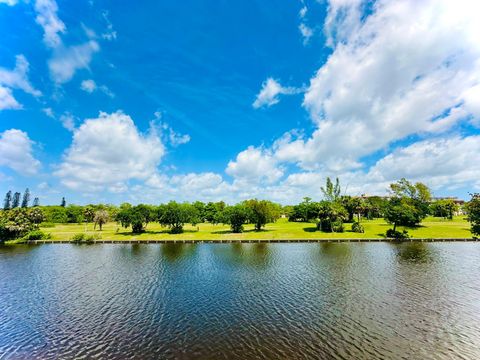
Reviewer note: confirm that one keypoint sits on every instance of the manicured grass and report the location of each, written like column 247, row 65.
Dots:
column 282, row 229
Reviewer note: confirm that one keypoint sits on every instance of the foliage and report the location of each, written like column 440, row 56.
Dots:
column 473, row 211
column 213, row 212
column 37, row 235
column 236, row 216
column 101, row 217
column 261, row 212
column 331, row 192
column 85, row 238
column 374, row 207
column 306, row 211
column 331, row 216
column 7, row 203
column 409, row 205
column 26, row 198
column 402, row 211
column 15, row 223
column 16, row 200
column 63, row 203
column 357, row 227
column 445, row 208
column 74, row 213
column 36, row 215
column 137, row 217
column 88, row 213
column 174, row 215
column 393, row 234
column 353, row 205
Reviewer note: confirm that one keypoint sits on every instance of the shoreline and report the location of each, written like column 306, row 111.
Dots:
column 249, row 241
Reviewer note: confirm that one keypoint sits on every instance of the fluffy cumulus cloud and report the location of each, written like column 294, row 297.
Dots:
column 254, row 165
column 269, row 94
column 15, row 79
column 410, row 67
column 16, row 152
column 107, row 152
column 442, row 163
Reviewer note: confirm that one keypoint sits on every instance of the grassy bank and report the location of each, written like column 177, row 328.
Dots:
column 282, row 229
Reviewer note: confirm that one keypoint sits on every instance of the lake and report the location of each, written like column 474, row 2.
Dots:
column 241, row 301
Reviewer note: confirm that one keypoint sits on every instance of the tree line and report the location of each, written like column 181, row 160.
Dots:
column 407, row 205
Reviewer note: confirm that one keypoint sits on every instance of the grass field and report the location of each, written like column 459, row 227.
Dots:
column 282, row 229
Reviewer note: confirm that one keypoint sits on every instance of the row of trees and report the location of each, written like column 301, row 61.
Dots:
column 175, row 215
column 407, row 205
column 12, row 200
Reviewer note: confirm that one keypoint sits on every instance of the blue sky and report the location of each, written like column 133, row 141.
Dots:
column 109, row 101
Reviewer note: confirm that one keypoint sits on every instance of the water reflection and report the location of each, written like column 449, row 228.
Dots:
column 416, row 252
column 177, row 251
column 240, row 301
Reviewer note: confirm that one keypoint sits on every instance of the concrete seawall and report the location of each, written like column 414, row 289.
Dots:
column 254, row 241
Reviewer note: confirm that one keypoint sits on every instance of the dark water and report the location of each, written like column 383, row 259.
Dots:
column 233, row 301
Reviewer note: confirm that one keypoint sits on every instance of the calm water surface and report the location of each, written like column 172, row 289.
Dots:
column 241, row 301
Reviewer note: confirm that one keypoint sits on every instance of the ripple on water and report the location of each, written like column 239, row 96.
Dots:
column 240, row 301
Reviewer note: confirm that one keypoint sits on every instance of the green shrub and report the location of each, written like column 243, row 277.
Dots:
column 85, row 238
column 37, row 235
column 393, row 234
column 357, row 227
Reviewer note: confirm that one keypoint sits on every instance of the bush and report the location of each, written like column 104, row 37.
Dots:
column 357, row 227
column 393, row 234
column 37, row 235
column 84, row 238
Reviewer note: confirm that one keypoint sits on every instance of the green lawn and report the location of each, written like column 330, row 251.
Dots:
column 282, row 229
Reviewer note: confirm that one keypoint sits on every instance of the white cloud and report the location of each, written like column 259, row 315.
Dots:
column 9, row 2
column 68, row 121
column 7, row 101
column 15, row 79
column 16, row 152
column 303, row 12
column 88, row 85
column 47, row 18
column 108, row 151
column 442, row 163
column 49, row 112
column 306, row 32
column 408, row 68
column 254, row 165
column 270, row 91
column 67, row 60
column 110, row 34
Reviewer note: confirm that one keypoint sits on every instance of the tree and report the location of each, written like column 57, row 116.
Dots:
column 213, row 212
column 7, row 203
column 88, row 213
column 36, row 215
column 445, row 208
column 352, row 205
column 63, row 203
column 411, row 199
column 261, row 212
column 101, row 217
column 175, row 215
column 15, row 223
column 473, row 212
column 331, row 216
column 306, row 211
column 16, row 200
column 74, row 214
column 36, row 202
column 331, row 192
column 401, row 211
column 236, row 216
column 26, row 198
